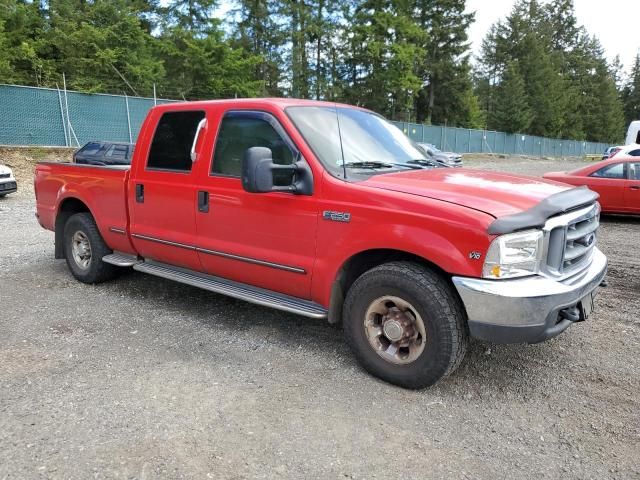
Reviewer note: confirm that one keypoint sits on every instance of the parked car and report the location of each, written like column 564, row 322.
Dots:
column 610, row 152
column 617, row 180
column 326, row 211
column 105, row 153
column 631, row 150
column 8, row 182
column 447, row 159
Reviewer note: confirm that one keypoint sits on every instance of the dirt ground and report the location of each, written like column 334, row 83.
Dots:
column 145, row 378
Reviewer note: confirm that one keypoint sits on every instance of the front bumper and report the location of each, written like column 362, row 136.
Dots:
column 9, row 186
column 526, row 310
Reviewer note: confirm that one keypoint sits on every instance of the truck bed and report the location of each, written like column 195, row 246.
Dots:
column 102, row 188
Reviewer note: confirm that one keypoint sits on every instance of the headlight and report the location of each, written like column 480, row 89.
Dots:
column 514, row 255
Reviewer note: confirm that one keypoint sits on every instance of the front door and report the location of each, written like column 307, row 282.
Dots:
column 162, row 195
column 609, row 182
column 266, row 239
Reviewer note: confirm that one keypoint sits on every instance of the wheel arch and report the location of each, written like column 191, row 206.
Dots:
column 364, row 261
column 67, row 207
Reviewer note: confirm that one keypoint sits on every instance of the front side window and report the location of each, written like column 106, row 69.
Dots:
column 91, row 148
column 241, row 131
column 172, row 141
column 610, row 171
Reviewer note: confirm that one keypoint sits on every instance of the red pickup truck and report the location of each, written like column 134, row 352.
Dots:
column 329, row 211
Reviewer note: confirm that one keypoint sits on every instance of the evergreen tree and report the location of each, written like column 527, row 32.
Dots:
column 569, row 85
column 258, row 33
column 445, row 47
column 631, row 94
column 383, row 46
column 512, row 112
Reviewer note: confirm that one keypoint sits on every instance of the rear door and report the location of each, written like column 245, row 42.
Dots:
column 162, row 192
column 263, row 239
column 632, row 192
column 610, row 182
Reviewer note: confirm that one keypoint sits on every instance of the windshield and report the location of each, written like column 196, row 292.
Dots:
column 349, row 141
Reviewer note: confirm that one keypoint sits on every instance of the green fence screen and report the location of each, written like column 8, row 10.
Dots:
column 43, row 116
column 464, row 140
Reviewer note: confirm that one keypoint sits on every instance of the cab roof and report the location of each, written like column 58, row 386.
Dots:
column 279, row 103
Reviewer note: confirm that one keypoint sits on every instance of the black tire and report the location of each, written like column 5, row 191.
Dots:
column 441, row 311
column 96, row 271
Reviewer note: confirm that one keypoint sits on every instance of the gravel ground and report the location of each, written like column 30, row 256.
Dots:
column 145, row 378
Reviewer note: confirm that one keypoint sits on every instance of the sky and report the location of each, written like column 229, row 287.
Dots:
column 614, row 22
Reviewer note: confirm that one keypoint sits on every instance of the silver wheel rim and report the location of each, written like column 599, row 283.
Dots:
column 81, row 250
column 395, row 330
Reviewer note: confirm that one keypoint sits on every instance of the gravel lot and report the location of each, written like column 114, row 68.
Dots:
column 145, row 378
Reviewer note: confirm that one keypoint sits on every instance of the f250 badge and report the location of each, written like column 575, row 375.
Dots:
column 336, row 216
column 475, row 255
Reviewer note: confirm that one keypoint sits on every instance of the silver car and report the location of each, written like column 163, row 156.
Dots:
column 447, row 159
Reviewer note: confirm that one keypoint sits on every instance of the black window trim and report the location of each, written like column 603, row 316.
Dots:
column 255, row 114
column 625, row 171
column 170, row 170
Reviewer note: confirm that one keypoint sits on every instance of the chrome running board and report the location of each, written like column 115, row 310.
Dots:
column 120, row 259
column 233, row 289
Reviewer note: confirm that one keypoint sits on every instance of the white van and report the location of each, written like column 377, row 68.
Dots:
column 633, row 134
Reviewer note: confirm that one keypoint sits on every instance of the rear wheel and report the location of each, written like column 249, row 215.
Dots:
column 405, row 325
column 84, row 249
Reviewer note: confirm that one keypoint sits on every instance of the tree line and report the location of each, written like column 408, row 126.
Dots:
column 538, row 72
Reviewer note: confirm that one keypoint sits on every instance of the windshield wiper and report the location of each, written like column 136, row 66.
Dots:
column 368, row 165
column 421, row 162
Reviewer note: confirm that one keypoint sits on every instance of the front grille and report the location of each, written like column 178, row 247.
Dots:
column 7, row 186
column 5, row 175
column 571, row 239
column 581, row 239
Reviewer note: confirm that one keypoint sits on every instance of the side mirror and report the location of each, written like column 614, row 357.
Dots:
column 258, row 168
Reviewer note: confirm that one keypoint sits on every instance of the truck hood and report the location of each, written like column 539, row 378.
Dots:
column 497, row 194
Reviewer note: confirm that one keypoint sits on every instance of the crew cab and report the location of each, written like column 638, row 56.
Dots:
column 329, row 211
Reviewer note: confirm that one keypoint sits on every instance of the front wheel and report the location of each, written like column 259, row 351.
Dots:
column 405, row 325
column 84, row 249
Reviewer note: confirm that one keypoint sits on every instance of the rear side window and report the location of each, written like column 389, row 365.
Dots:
column 117, row 151
column 634, row 171
column 172, row 141
column 610, row 171
column 237, row 134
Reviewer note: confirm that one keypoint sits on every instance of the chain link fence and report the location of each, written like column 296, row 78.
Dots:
column 52, row 117
column 464, row 140
column 55, row 117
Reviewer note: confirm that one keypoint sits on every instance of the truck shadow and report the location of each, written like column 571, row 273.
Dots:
column 500, row 368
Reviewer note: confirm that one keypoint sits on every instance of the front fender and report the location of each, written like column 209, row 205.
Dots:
column 447, row 245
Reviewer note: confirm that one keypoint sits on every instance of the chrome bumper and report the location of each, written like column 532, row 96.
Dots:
column 526, row 310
